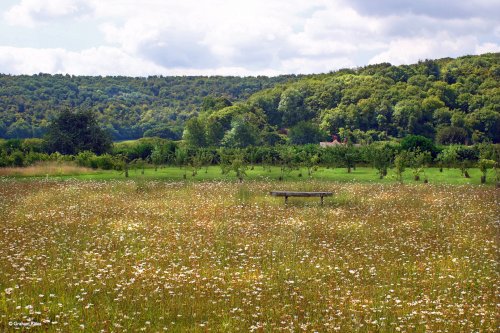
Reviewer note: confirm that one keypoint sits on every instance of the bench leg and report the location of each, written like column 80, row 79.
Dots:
column 321, row 201
column 286, row 199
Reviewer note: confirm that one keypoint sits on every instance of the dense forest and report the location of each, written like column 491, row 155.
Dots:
column 127, row 107
column 446, row 100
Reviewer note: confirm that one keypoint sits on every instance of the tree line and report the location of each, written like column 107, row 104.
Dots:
column 414, row 153
column 451, row 101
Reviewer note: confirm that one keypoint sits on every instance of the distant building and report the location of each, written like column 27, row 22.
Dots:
column 335, row 142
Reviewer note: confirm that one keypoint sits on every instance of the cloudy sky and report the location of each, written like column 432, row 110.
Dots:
column 237, row 37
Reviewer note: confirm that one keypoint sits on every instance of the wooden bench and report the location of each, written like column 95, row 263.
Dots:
column 287, row 194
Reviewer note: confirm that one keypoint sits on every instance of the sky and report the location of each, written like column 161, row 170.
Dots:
column 237, row 37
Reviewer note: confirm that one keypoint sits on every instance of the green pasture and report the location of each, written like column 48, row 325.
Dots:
column 358, row 175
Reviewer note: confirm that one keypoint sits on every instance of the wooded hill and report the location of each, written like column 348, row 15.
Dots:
column 128, row 107
column 449, row 100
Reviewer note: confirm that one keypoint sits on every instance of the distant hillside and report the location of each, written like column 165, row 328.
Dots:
column 449, row 100
column 127, row 106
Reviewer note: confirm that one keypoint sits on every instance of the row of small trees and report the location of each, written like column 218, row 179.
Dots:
column 289, row 158
column 410, row 154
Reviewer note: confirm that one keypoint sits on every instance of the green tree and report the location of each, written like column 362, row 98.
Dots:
column 194, row 133
column 347, row 155
column 71, row 133
column 381, row 159
column 305, row 132
column 418, row 142
column 309, row 160
column 448, row 157
column 233, row 160
column 207, row 157
column 286, row 157
column 214, row 132
column 181, row 160
column 489, row 155
column 243, row 133
column 484, row 165
column 467, row 156
column 451, row 135
column 211, row 103
column 239, row 166
column 417, row 161
column 16, row 159
column 400, row 161
column 196, row 162
column 292, row 107
column 164, row 132
column 159, row 155
column 487, row 122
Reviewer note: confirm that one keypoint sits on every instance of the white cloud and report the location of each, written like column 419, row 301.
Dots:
column 444, row 9
column 410, row 50
column 100, row 61
column 94, row 61
column 253, row 37
column 306, row 65
column 487, row 48
column 30, row 12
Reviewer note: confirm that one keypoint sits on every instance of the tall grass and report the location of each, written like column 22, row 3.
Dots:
column 46, row 169
column 218, row 256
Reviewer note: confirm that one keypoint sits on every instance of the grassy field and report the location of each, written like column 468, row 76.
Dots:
column 146, row 255
column 360, row 175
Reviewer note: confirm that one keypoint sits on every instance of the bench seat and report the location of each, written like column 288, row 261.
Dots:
column 287, row 194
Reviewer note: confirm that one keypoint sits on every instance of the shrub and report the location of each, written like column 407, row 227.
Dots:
column 17, row 159
column 33, row 157
column 84, row 158
column 33, row 145
column 4, row 159
column 104, row 162
column 414, row 142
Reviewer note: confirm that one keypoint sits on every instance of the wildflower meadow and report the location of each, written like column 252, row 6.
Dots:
column 219, row 256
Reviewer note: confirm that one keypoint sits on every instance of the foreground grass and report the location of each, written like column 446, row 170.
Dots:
column 359, row 175
column 131, row 256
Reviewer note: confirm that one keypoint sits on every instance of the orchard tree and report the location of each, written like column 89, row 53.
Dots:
column 233, row 160
column 286, row 156
column 484, row 165
column 400, row 161
column 347, row 155
column 181, row 160
column 159, row 155
column 309, row 160
column 417, row 161
column 381, row 159
column 448, row 157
